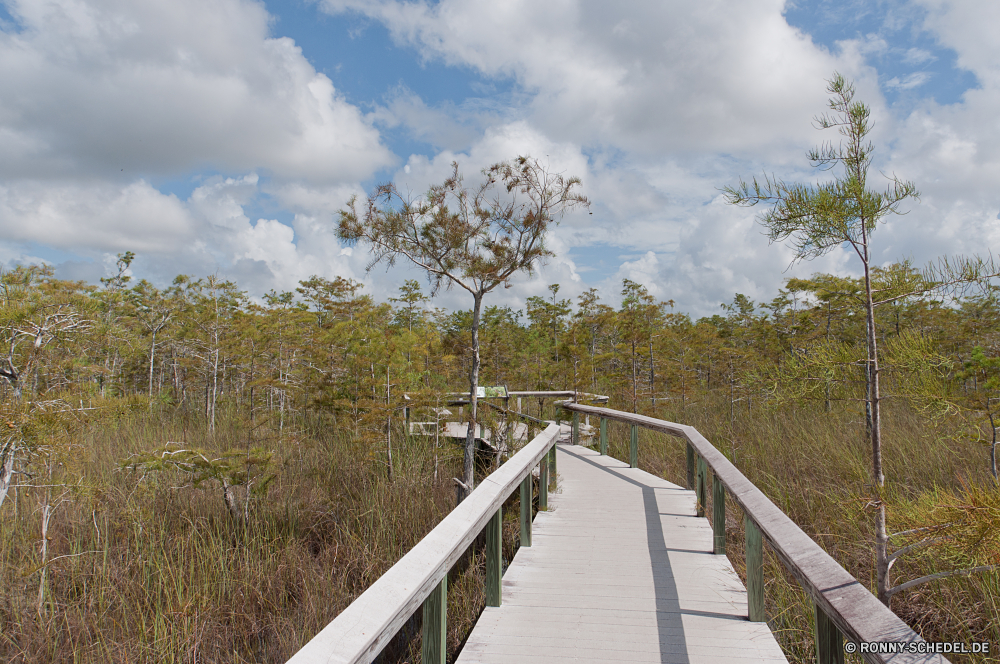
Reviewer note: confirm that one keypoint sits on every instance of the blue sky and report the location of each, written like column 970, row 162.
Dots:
column 223, row 137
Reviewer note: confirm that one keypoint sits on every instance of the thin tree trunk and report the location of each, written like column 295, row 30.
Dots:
column 875, row 422
column 437, row 437
column 468, row 460
column 993, row 451
column 635, row 379
column 6, row 469
column 152, row 355
column 46, row 517
column 388, row 422
column 652, row 374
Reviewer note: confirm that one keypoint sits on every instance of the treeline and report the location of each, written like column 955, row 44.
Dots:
column 200, row 342
column 203, row 343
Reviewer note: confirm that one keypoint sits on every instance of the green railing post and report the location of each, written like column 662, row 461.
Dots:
column 755, row 570
column 633, row 448
column 829, row 642
column 543, row 483
column 604, row 436
column 434, row 639
column 702, row 490
column 719, row 515
column 526, row 511
column 552, row 467
column 690, row 466
column 576, row 428
column 494, row 558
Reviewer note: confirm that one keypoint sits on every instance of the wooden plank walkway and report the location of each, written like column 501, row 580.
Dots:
column 620, row 570
column 459, row 430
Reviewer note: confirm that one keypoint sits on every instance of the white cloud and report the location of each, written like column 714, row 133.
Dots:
column 967, row 26
column 123, row 88
column 93, row 215
column 918, row 56
column 103, row 97
column 647, row 77
column 908, row 82
column 654, row 104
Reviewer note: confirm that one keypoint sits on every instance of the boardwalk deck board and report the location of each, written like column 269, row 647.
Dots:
column 620, row 570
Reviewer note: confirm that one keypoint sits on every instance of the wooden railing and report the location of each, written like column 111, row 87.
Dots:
column 844, row 607
column 420, row 578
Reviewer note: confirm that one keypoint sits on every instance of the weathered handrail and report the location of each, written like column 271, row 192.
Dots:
column 514, row 413
column 839, row 598
column 544, row 394
column 361, row 630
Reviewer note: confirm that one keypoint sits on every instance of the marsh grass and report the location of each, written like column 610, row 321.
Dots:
column 146, row 568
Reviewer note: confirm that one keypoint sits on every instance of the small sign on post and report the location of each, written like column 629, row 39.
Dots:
column 491, row 392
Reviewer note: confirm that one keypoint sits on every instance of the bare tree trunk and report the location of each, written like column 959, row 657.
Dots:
column 993, row 452
column 388, row 422
column 437, row 437
column 635, row 379
column 468, row 460
column 875, row 422
column 6, row 469
column 46, row 517
column 152, row 354
column 652, row 374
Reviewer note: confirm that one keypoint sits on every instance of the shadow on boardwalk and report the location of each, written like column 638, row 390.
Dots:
column 620, row 570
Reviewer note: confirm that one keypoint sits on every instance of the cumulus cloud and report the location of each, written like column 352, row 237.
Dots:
column 653, row 104
column 93, row 215
column 120, row 88
column 102, row 98
column 647, row 76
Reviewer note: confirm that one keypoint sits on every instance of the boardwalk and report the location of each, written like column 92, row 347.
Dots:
column 620, row 570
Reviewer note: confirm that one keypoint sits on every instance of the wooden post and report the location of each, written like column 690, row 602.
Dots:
column 690, row 466
column 755, row 570
column 829, row 642
column 552, row 467
column 543, row 483
column 702, row 490
column 633, row 448
column 576, row 428
column 604, row 436
column 494, row 558
column 434, row 641
column 519, row 405
column 719, row 515
column 526, row 511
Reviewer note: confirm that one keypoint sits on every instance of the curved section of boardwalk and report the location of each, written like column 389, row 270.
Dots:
column 621, row 570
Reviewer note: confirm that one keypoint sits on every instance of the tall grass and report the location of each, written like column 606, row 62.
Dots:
column 146, row 568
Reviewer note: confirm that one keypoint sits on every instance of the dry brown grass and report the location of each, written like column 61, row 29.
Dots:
column 158, row 572
column 164, row 574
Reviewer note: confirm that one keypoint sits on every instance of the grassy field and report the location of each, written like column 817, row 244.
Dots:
column 143, row 567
